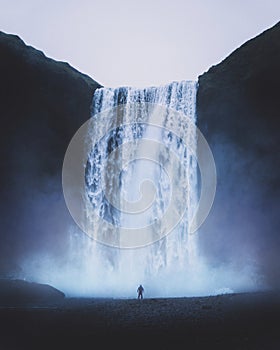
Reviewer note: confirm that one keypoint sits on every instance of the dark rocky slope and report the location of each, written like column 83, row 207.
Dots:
column 43, row 103
column 238, row 106
column 17, row 293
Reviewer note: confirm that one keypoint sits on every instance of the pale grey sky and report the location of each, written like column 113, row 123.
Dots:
column 138, row 43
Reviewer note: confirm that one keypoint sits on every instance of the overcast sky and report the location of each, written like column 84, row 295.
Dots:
column 138, row 43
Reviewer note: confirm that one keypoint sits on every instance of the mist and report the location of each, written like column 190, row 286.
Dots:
column 229, row 258
column 83, row 271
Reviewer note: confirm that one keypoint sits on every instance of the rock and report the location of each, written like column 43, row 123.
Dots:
column 238, row 112
column 42, row 104
column 20, row 293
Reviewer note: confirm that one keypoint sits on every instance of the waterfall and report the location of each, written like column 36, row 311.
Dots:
column 166, row 255
column 132, row 175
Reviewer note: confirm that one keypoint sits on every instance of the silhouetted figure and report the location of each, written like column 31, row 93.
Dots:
column 140, row 291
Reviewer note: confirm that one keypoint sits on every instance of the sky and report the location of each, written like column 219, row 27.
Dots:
column 138, row 43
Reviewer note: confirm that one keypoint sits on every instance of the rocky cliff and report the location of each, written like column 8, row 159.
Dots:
column 43, row 103
column 22, row 293
column 238, row 108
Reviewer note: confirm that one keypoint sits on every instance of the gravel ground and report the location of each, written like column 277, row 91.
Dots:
column 231, row 321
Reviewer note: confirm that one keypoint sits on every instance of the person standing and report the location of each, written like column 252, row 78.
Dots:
column 140, row 291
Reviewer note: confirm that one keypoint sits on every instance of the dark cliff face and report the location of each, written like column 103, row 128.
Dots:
column 43, row 103
column 23, row 293
column 238, row 106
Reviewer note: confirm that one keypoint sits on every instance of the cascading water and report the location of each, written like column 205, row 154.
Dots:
column 130, row 181
column 175, row 254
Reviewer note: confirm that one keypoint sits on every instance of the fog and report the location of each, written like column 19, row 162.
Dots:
column 229, row 257
column 84, row 271
column 232, row 256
